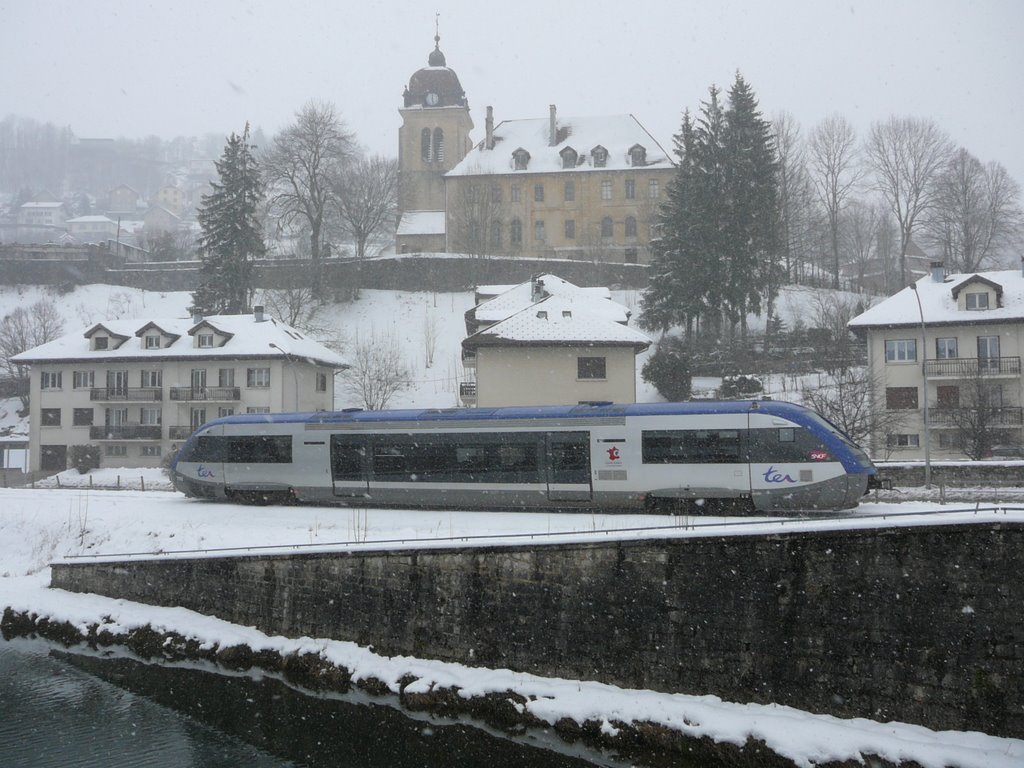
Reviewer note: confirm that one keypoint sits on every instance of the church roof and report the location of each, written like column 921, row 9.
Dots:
column 436, row 81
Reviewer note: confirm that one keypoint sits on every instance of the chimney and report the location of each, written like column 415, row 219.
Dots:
column 489, row 127
column 536, row 289
column 197, row 315
column 938, row 272
column 257, row 313
column 552, row 127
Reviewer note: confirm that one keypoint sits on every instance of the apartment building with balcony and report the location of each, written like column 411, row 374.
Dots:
column 951, row 345
column 138, row 388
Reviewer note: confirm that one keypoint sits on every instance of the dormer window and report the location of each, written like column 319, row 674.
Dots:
column 520, row 159
column 637, row 156
column 569, row 157
column 101, row 342
column 152, row 341
column 600, row 156
column 204, row 340
column 975, row 301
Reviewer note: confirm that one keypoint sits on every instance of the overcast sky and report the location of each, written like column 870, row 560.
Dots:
column 111, row 68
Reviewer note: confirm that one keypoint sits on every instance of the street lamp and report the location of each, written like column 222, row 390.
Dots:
column 924, row 370
column 295, row 373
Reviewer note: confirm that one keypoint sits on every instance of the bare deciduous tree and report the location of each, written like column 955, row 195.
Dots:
column 976, row 213
column 367, row 199
column 907, row 154
column 835, row 172
column 475, row 217
column 23, row 329
column 796, row 206
column 976, row 411
column 378, row 371
column 303, row 167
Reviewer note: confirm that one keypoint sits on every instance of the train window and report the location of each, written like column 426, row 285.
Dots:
column 347, row 454
column 692, row 446
column 782, row 444
column 458, row 458
column 208, row 448
column 259, row 449
column 570, row 457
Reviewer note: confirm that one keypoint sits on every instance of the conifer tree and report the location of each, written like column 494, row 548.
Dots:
column 231, row 235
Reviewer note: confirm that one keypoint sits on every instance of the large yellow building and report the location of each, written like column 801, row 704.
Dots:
column 583, row 188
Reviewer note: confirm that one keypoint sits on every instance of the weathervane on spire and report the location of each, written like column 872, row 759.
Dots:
column 437, row 29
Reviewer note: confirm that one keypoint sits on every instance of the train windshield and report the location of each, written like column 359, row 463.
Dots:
column 858, row 454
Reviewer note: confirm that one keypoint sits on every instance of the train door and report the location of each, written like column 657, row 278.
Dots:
column 568, row 466
column 349, row 465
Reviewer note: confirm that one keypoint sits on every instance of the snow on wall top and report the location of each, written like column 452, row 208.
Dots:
column 615, row 133
column 245, row 337
column 939, row 305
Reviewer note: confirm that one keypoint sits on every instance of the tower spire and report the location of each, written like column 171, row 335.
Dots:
column 436, row 58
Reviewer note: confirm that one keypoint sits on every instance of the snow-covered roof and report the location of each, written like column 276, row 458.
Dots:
column 597, row 300
column 42, row 205
column 90, row 220
column 939, row 303
column 615, row 133
column 246, row 338
column 421, row 223
column 561, row 321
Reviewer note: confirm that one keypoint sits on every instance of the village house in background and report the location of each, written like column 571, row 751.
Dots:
column 953, row 344
column 573, row 188
column 549, row 342
column 138, row 388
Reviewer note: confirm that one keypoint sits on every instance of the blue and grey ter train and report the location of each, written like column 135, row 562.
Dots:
column 754, row 455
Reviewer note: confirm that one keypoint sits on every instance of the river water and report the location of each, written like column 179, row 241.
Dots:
column 77, row 710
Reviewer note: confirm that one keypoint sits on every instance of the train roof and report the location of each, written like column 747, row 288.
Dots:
column 586, row 410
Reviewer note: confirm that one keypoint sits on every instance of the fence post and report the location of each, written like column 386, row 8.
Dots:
column 119, row 482
column 142, row 482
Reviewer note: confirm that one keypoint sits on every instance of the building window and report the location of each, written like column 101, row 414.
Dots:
column 496, row 235
column 50, row 417
column 606, row 190
column 606, row 226
column 496, row 193
column 257, row 378
column 151, row 417
column 152, row 342
column 901, row 351
column 600, row 155
column 630, row 189
column 976, row 300
column 116, row 450
column 950, row 441
column 425, row 145
column 570, row 229
column 82, row 417
column 152, row 379
column 257, row 409
column 321, row 382
column 652, row 189
column 101, row 342
column 438, row 148
column 590, row 368
column 520, row 159
column 225, row 411
column 513, row 193
column 947, row 396
column 902, row 441
column 901, row 398
column 988, row 347
column 205, row 340
column 569, row 157
column 945, row 349
column 538, row 231
column 570, row 191
column 516, row 232
column 83, row 379
column 630, row 226
column 637, row 156
column 226, row 377
column 50, row 380
column 197, row 418
column 538, row 193
column 150, row 450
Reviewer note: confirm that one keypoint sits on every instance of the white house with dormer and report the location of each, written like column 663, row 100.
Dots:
column 951, row 344
column 138, row 388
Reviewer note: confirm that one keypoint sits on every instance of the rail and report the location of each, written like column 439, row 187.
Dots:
column 126, row 394
column 967, row 367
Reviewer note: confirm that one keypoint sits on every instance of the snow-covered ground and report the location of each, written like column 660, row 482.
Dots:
column 40, row 526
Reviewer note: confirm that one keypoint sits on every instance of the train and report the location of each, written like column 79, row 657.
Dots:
column 749, row 456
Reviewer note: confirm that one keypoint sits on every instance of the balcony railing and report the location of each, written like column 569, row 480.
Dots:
column 126, row 394
column 179, row 433
column 469, row 357
column 467, row 392
column 958, row 417
column 126, row 432
column 206, row 393
column 968, row 367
